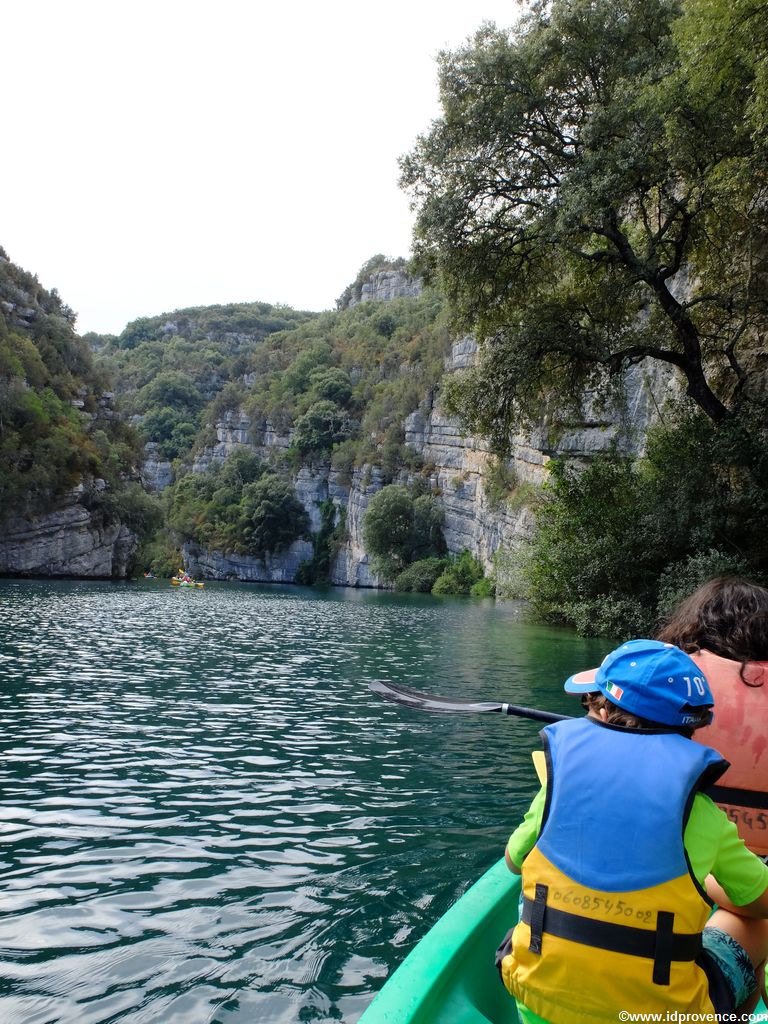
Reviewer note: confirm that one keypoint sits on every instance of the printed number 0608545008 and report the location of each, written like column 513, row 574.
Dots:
column 604, row 905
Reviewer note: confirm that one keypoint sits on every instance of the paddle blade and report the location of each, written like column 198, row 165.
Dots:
column 430, row 702
column 454, row 706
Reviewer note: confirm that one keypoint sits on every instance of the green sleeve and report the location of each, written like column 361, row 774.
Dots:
column 714, row 847
column 522, row 840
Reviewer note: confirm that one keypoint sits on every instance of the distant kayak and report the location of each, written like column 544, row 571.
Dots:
column 176, row 582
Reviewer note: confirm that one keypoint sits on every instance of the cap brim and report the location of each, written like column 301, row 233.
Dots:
column 582, row 682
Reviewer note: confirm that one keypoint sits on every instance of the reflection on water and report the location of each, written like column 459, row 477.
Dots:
column 206, row 815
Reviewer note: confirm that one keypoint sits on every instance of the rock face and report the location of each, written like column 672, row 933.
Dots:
column 275, row 568
column 157, row 472
column 460, row 469
column 385, row 285
column 67, row 542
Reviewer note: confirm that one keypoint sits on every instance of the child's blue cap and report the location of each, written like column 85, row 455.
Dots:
column 650, row 679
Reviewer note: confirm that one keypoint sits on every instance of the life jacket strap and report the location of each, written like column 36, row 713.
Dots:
column 740, row 797
column 662, row 945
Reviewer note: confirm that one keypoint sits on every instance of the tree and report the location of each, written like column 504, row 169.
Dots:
column 568, row 199
column 398, row 530
column 388, row 529
column 428, row 521
column 460, row 576
column 272, row 517
column 616, row 539
column 322, row 426
column 171, row 388
column 332, row 384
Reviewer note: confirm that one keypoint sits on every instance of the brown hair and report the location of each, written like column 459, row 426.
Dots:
column 615, row 715
column 726, row 616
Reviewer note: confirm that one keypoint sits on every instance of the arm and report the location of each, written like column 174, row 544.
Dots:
column 758, row 908
column 511, row 864
column 523, row 839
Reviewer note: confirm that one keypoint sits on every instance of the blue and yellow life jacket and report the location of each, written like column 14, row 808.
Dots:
column 612, row 916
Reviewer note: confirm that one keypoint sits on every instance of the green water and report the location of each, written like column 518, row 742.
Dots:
column 206, row 816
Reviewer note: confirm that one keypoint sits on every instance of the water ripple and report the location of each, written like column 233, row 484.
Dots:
column 207, row 816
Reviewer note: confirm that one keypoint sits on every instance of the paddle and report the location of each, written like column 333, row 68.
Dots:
column 452, row 706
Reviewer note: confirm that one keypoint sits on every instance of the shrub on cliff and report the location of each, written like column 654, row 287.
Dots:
column 322, row 426
column 420, row 577
column 618, row 542
column 461, row 576
column 56, row 429
column 398, row 530
column 239, row 506
column 271, row 516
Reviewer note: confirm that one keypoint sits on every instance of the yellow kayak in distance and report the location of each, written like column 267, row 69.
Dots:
column 176, row 582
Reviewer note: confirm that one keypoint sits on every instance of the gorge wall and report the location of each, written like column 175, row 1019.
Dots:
column 70, row 541
column 459, row 469
column 58, row 429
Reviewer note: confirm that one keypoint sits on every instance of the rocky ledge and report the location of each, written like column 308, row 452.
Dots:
column 66, row 542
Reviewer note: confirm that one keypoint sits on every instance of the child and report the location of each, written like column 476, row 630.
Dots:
column 615, row 854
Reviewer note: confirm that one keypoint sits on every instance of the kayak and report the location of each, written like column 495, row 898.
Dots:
column 182, row 583
column 450, row 976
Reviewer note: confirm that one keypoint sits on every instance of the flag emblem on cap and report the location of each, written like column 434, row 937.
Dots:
column 615, row 691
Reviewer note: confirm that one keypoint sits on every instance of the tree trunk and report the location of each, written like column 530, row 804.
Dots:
column 698, row 388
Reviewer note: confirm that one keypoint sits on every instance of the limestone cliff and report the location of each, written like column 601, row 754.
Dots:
column 70, row 541
column 460, row 470
column 64, row 452
column 382, row 280
column 385, row 285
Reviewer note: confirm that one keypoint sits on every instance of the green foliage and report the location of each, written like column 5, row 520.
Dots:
column 461, row 576
column 619, row 542
column 172, row 388
column 183, row 372
column 398, row 530
column 582, row 165
column 157, row 554
column 239, row 507
column 171, row 429
column 228, row 325
column 331, row 384
column 322, row 426
column 388, row 530
column 139, row 511
column 325, row 545
column 420, row 577
column 680, row 579
column 483, row 588
column 55, row 430
column 615, row 617
column 271, row 516
column 500, row 482
column 510, row 572
column 373, row 373
column 428, row 522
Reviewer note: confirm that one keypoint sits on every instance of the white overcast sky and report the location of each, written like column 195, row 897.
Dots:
column 167, row 154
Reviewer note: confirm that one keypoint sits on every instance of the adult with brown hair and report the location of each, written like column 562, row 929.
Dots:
column 723, row 626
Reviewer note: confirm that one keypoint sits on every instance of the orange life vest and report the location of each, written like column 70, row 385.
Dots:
column 740, row 733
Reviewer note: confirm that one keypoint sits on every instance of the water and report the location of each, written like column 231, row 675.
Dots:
column 207, row 817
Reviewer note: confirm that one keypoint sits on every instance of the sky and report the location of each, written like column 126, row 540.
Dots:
column 168, row 154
